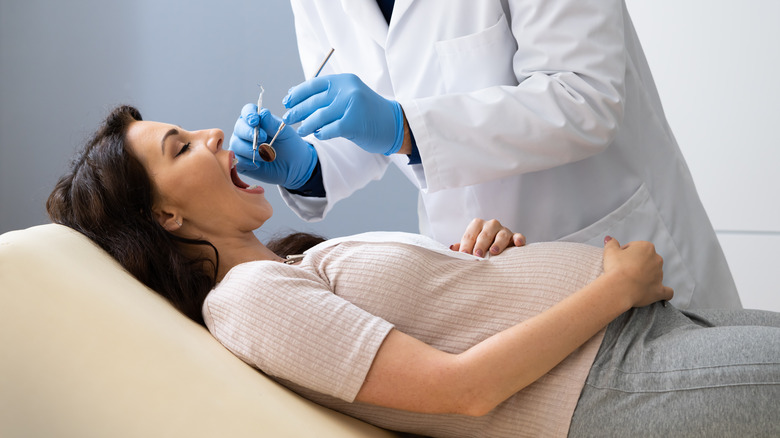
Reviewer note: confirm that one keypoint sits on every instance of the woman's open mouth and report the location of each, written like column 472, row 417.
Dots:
column 241, row 185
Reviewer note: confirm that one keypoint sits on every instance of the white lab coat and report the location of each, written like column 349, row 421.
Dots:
column 541, row 114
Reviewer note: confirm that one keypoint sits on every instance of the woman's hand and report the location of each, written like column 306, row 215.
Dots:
column 640, row 268
column 482, row 236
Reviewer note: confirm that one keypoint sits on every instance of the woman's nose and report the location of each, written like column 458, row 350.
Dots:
column 214, row 139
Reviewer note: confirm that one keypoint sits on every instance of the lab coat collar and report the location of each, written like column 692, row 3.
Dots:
column 399, row 9
column 368, row 17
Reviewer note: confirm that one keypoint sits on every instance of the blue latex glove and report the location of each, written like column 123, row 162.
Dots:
column 343, row 106
column 295, row 159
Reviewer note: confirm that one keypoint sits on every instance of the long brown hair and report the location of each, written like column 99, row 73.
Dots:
column 107, row 195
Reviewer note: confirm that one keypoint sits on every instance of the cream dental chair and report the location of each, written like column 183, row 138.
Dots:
column 88, row 351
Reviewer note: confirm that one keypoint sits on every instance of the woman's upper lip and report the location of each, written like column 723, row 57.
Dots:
column 233, row 173
column 237, row 181
column 233, row 160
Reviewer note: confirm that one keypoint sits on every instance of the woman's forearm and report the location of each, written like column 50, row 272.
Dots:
column 408, row 374
column 537, row 345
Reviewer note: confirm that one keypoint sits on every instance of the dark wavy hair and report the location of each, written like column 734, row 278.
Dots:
column 107, row 195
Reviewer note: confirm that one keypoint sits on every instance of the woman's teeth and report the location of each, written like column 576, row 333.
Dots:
column 252, row 187
column 235, row 161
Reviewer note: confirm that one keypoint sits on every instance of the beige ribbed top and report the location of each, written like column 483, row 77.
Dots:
column 316, row 327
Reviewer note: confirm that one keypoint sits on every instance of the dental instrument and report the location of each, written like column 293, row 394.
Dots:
column 254, row 140
column 266, row 150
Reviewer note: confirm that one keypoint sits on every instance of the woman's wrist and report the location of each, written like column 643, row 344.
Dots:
column 618, row 289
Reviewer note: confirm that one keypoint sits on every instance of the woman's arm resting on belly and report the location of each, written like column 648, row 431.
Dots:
column 410, row 375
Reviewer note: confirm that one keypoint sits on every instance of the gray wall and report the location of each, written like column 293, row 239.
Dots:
column 64, row 64
column 715, row 63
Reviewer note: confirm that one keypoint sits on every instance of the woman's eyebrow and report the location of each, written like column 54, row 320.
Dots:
column 172, row 131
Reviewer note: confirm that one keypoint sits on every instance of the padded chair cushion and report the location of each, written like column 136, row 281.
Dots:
column 89, row 351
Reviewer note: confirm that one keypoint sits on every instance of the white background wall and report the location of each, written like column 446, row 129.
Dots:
column 717, row 64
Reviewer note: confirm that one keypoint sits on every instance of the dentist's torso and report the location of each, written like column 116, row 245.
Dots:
column 455, row 67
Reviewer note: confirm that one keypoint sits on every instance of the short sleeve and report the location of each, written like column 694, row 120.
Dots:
column 285, row 321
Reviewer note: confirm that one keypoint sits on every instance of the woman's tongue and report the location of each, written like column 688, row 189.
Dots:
column 242, row 185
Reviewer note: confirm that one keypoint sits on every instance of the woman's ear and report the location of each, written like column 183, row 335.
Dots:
column 168, row 220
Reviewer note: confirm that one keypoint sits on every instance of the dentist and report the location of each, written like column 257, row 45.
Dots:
column 541, row 114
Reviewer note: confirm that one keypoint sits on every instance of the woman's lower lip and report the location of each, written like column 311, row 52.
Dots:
column 254, row 189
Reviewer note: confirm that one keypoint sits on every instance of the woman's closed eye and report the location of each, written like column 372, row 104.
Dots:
column 183, row 149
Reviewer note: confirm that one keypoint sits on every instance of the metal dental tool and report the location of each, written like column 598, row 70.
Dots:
column 254, row 141
column 266, row 150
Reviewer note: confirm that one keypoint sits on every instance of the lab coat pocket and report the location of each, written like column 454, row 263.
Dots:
column 479, row 60
column 638, row 219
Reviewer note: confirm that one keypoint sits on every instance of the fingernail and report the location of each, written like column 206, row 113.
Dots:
column 252, row 119
column 607, row 239
column 478, row 253
column 286, row 100
column 494, row 249
column 452, row 246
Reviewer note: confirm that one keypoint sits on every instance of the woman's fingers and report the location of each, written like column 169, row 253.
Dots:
column 482, row 237
column 641, row 270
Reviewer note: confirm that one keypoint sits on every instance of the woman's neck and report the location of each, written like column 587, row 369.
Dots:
column 236, row 250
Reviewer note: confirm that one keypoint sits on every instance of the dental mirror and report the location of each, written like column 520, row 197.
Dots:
column 266, row 151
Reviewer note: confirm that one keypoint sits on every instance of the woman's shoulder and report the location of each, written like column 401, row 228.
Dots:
column 252, row 285
column 250, row 268
column 255, row 277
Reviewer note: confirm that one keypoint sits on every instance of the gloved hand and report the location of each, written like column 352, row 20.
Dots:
column 343, row 106
column 295, row 159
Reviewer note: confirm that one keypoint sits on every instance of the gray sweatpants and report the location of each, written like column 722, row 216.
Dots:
column 662, row 372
